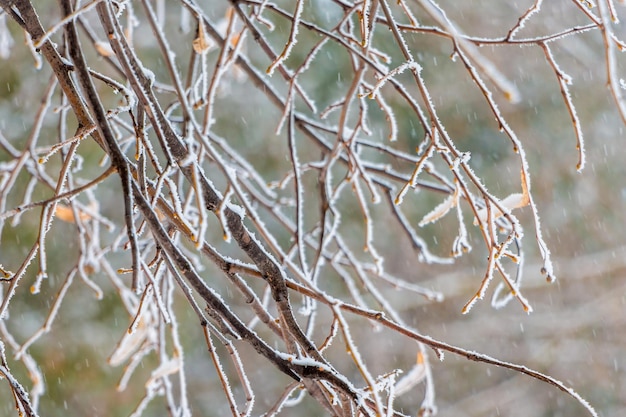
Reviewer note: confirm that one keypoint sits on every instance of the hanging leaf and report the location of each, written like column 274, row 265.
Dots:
column 202, row 44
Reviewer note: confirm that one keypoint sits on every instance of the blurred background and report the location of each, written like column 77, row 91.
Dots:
column 576, row 331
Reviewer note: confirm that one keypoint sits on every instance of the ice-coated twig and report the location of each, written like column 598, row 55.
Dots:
column 353, row 352
column 220, row 371
column 610, row 59
column 22, row 402
column 297, row 182
column 293, row 38
column 285, row 400
column 564, row 82
column 409, row 65
column 45, row 328
column 521, row 22
column 73, row 16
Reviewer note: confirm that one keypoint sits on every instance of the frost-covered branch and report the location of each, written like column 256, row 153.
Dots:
column 281, row 229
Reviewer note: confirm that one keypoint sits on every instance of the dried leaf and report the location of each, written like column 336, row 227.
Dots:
column 166, row 368
column 234, row 40
column 413, row 377
column 441, row 210
column 103, row 48
column 202, row 43
column 132, row 340
column 510, row 203
column 66, row 214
